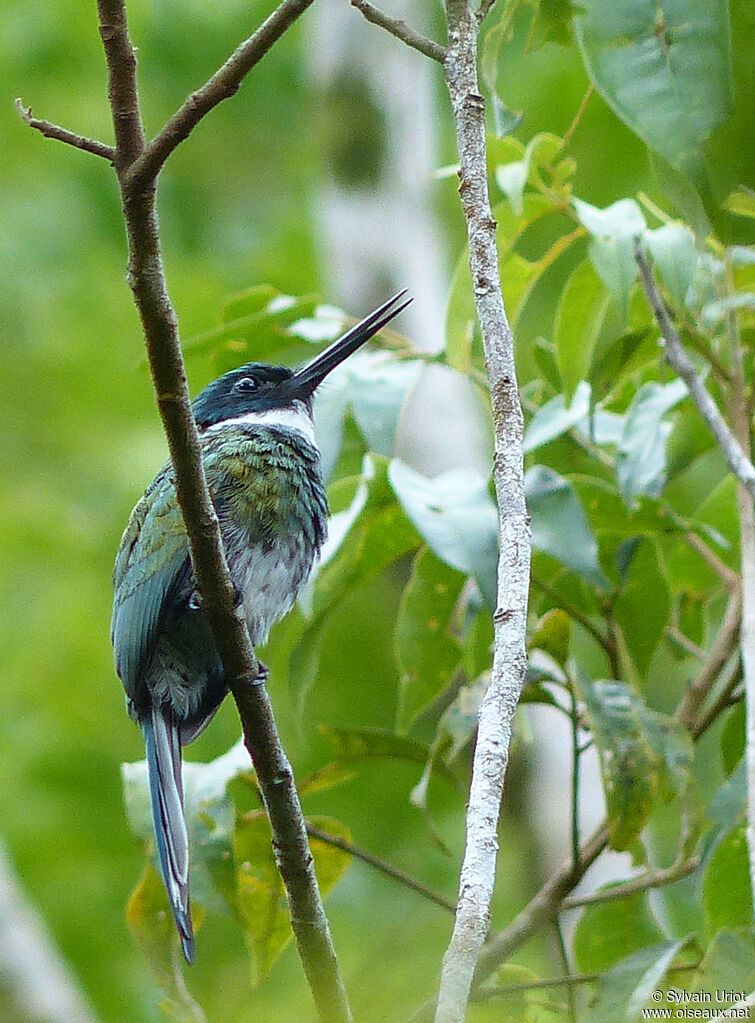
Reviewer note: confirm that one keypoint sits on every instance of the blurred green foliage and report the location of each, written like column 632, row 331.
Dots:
column 81, row 439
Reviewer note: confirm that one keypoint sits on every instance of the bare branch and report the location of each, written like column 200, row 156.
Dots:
column 650, row 879
column 54, row 131
column 727, row 575
column 509, row 654
column 401, row 30
column 736, row 458
column 722, row 648
column 222, row 85
column 385, row 868
column 242, row 671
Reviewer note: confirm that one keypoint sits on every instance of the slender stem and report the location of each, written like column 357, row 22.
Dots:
column 572, row 980
column 740, row 415
column 737, row 459
column 575, row 755
column 574, row 613
column 510, row 618
column 564, row 956
column 723, row 645
column 650, row 879
column 401, row 30
column 727, row 575
column 385, row 868
column 222, row 85
column 578, row 116
column 70, row 138
column 147, row 280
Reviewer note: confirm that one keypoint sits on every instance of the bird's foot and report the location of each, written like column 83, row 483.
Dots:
column 263, row 673
column 195, row 601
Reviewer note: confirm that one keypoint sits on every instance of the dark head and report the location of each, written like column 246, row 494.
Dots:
column 259, row 388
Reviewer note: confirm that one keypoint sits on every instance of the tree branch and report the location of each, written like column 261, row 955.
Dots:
column 147, row 281
column 509, row 652
column 70, row 138
column 222, row 85
column 401, row 30
column 740, row 417
column 737, row 460
column 385, row 868
column 650, row 879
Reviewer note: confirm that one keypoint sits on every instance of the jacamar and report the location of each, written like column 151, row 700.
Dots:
column 262, row 466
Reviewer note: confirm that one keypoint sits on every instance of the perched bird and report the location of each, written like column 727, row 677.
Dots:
column 263, row 470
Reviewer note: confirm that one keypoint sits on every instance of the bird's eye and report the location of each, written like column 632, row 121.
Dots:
column 245, row 384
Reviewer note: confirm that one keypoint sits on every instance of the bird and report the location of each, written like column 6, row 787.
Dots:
column 262, row 466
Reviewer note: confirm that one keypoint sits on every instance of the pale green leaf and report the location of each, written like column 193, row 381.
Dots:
column 456, row 516
column 673, row 249
column 559, row 524
column 641, row 454
column 427, row 652
column 664, row 67
column 555, row 418
column 580, row 317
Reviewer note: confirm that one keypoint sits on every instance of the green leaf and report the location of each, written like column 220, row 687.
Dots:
column 151, row 923
column 641, row 454
column 363, row 539
column 375, row 386
column 459, row 720
column 624, row 990
column 255, row 325
column 673, row 249
column 380, row 385
column 427, row 653
column 350, row 745
column 609, row 931
column 555, row 418
column 512, row 177
column 727, row 893
column 559, row 524
column 728, row 965
column 664, row 68
column 643, row 620
column 553, row 635
column 580, row 316
column 741, row 202
column 613, row 231
column 261, row 894
column 643, row 755
column 733, row 737
column 456, row 516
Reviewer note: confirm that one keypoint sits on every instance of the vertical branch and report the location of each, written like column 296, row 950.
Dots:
column 146, row 278
column 741, row 424
column 509, row 656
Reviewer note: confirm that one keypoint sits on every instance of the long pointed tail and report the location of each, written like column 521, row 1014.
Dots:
column 163, row 743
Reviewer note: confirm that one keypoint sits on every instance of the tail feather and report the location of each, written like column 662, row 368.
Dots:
column 163, row 743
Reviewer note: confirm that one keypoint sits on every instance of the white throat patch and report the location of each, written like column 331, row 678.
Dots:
column 296, row 418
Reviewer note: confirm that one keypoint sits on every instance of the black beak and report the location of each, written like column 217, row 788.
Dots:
column 309, row 377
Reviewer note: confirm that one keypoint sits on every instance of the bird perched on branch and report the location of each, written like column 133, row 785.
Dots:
column 263, row 469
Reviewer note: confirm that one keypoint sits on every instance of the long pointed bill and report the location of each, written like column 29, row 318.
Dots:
column 312, row 375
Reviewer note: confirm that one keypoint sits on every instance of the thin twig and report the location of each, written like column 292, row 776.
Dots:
column 684, row 643
column 488, row 994
column 385, row 868
column 242, row 671
column 578, row 116
column 577, row 615
column 509, row 647
column 723, row 645
column 727, row 575
column 70, row 138
column 564, row 957
column 650, row 879
column 222, row 85
column 401, row 30
column 735, row 456
column 740, row 417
